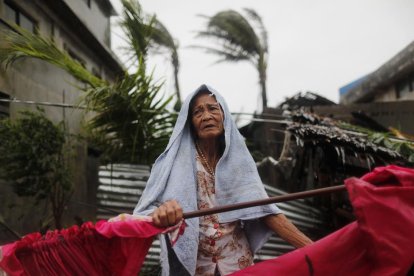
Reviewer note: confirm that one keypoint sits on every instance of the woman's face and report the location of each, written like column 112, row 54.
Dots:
column 207, row 117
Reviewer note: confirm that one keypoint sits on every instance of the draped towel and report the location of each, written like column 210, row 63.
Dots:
column 173, row 176
column 380, row 242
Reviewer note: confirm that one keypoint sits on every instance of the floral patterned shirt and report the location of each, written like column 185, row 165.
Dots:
column 223, row 247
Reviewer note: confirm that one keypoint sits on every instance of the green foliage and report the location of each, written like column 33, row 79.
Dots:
column 32, row 159
column 131, row 123
column 385, row 139
column 138, row 29
column 145, row 33
column 20, row 43
column 162, row 40
column 29, row 153
column 403, row 147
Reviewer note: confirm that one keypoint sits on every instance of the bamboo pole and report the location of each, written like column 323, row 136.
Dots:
column 282, row 198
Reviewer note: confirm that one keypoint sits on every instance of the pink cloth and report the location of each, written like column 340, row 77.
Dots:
column 380, row 242
column 107, row 248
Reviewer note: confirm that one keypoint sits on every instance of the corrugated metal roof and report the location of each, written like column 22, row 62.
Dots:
column 122, row 185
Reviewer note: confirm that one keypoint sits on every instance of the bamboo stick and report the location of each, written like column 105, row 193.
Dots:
column 282, row 198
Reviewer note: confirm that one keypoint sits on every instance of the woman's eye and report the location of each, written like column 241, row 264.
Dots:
column 214, row 108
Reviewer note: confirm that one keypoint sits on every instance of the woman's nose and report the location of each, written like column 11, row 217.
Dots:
column 206, row 116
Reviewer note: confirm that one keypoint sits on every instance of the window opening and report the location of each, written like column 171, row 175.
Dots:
column 14, row 15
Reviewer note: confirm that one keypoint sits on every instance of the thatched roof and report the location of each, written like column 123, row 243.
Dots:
column 306, row 99
column 321, row 130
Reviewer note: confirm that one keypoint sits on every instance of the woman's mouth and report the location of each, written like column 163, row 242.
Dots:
column 209, row 126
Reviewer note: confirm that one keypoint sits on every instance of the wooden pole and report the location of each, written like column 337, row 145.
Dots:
column 282, row 198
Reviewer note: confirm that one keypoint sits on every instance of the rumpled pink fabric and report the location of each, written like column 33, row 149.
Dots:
column 107, row 248
column 380, row 242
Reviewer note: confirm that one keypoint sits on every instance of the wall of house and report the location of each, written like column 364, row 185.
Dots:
column 38, row 81
column 396, row 114
column 386, row 95
column 94, row 17
column 408, row 96
column 391, row 93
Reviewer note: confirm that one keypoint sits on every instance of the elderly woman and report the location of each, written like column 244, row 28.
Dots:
column 206, row 164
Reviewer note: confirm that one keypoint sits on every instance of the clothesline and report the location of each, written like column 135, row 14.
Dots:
column 63, row 105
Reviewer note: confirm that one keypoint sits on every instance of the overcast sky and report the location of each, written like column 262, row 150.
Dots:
column 317, row 45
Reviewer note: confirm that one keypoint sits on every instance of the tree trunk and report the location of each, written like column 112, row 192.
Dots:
column 57, row 200
column 177, row 105
column 262, row 78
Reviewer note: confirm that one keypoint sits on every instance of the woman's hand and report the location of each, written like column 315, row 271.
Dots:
column 168, row 214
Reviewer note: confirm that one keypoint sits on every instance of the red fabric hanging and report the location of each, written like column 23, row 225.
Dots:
column 380, row 242
column 107, row 248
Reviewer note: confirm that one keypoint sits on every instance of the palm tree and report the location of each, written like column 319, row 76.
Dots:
column 239, row 40
column 130, row 121
column 128, row 116
column 146, row 32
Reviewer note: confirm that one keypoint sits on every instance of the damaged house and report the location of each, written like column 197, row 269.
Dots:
column 297, row 150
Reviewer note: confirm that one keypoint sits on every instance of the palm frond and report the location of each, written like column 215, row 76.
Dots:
column 146, row 33
column 137, row 28
column 259, row 22
column 231, row 27
column 226, row 54
column 161, row 38
column 131, row 122
column 19, row 43
column 234, row 49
